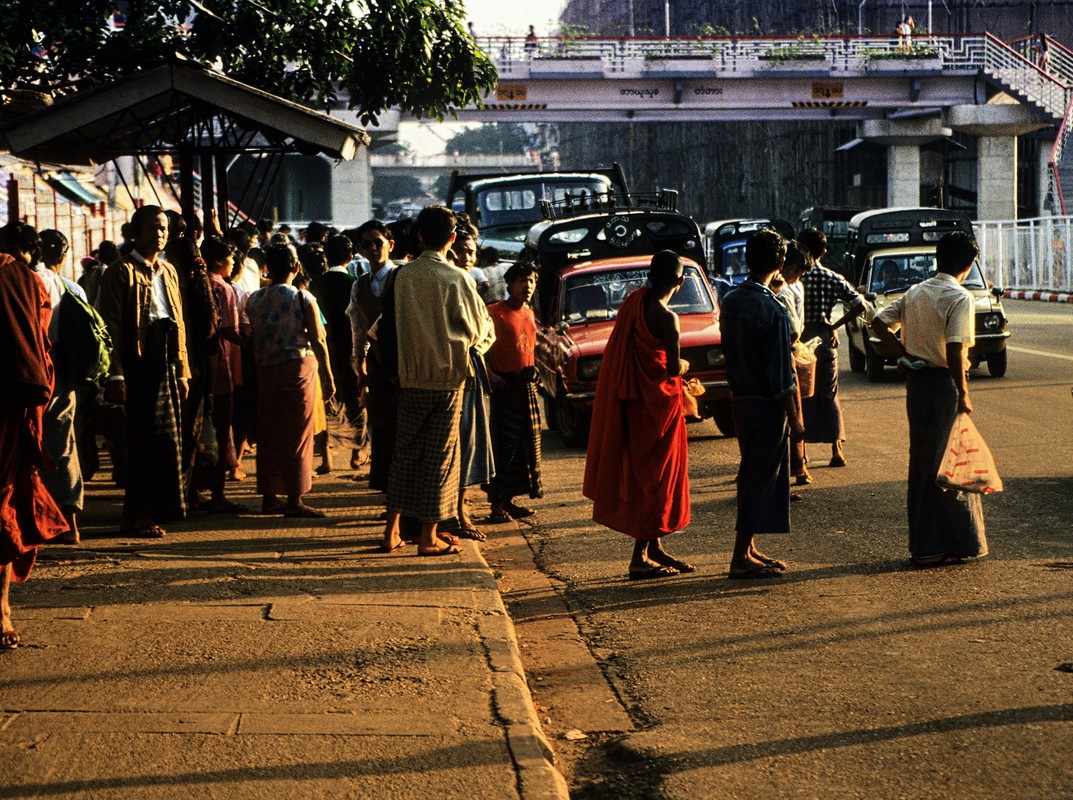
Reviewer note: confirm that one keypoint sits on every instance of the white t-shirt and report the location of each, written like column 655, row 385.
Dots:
column 933, row 314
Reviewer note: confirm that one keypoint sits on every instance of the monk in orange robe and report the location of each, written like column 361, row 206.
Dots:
column 636, row 468
column 28, row 514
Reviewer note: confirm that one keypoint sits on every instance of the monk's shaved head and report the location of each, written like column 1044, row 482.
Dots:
column 665, row 270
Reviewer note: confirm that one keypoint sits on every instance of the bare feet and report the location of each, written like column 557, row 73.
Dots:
column 756, row 556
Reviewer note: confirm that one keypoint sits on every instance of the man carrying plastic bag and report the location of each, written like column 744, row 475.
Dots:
column 937, row 329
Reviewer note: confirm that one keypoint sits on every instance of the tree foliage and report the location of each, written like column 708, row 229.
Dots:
column 496, row 137
column 415, row 55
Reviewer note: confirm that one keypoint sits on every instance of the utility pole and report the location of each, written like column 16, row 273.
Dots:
column 667, row 18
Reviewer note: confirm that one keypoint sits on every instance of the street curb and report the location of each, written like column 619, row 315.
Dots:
column 1049, row 297
column 534, row 759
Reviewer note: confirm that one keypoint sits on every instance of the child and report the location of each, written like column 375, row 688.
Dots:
column 219, row 258
column 515, row 410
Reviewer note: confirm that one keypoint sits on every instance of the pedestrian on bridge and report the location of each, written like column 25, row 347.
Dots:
column 937, row 319
column 763, row 384
column 636, row 469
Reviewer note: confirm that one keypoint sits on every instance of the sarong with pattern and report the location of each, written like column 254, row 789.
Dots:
column 516, row 440
column 423, row 482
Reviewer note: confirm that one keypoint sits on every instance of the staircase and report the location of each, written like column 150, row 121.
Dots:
column 1019, row 69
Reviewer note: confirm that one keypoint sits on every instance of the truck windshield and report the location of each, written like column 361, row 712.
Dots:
column 896, row 273
column 598, row 295
column 519, row 203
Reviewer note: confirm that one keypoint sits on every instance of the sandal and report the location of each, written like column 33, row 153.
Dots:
column 9, row 640
column 447, row 538
column 469, row 532
column 225, row 507
column 655, row 571
column 143, row 531
column 518, row 512
column 500, row 517
column 446, row 550
column 387, row 548
column 755, row 571
column 276, row 508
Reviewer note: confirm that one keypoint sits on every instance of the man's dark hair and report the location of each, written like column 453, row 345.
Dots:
column 815, row 240
column 488, row 256
column 764, row 251
column 338, row 250
column 955, row 251
column 799, row 257
column 176, row 225
column 240, row 239
column 264, row 226
column 53, row 246
column 374, row 225
column 316, row 232
column 311, row 256
column 519, row 269
column 435, row 224
column 665, row 269
column 248, row 227
column 281, row 260
column 404, row 234
column 126, row 230
column 22, row 236
column 216, row 248
column 142, row 216
column 108, row 253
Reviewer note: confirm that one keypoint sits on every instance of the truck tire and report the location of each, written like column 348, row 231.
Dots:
column 856, row 357
column 723, row 416
column 873, row 364
column 996, row 363
column 571, row 421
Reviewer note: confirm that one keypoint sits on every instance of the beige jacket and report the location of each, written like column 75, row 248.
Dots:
column 124, row 301
column 439, row 316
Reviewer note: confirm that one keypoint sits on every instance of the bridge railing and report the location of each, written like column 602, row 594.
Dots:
column 1060, row 164
column 741, row 54
column 1013, row 70
column 447, row 161
column 1029, row 254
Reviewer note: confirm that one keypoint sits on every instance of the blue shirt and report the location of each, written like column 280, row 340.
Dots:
column 756, row 342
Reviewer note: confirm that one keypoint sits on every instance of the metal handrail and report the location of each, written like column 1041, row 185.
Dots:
column 1005, row 64
column 1065, row 130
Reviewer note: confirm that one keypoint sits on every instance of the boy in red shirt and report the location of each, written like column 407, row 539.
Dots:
column 515, row 408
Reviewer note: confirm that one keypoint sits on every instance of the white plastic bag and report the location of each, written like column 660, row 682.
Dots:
column 967, row 465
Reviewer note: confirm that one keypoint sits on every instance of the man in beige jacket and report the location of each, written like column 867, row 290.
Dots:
column 140, row 302
column 439, row 318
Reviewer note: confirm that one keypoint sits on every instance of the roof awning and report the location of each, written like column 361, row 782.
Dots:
column 176, row 108
column 73, row 189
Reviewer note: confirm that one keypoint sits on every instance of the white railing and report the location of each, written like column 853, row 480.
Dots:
column 456, row 161
column 1016, row 72
column 1029, row 254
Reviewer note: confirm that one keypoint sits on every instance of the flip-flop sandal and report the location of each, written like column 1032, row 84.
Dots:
column 681, row 566
column 500, row 518
column 385, row 548
column 469, row 532
column 9, row 640
column 447, row 538
column 448, row 550
column 143, row 532
column 518, row 512
column 758, row 571
column 661, row 571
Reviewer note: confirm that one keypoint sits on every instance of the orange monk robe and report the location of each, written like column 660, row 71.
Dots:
column 636, row 468
column 28, row 515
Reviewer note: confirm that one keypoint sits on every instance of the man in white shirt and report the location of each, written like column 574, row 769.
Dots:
column 937, row 319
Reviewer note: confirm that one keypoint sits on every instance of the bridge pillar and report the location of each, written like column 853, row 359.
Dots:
column 352, row 191
column 997, row 124
column 903, row 138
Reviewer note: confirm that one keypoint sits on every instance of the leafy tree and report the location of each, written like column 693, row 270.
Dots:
column 395, row 187
column 415, row 55
column 495, row 137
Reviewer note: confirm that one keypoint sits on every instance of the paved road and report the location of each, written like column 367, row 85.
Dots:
column 852, row 676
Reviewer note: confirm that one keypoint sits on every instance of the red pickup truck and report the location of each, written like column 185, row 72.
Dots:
column 588, row 264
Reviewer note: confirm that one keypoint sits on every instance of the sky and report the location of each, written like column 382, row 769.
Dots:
column 489, row 18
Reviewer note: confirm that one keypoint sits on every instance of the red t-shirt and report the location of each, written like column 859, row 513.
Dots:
column 515, row 344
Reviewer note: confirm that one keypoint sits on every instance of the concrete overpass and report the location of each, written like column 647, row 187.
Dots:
column 900, row 96
column 435, row 165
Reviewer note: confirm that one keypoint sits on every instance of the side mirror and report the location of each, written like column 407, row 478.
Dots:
column 870, row 297
column 562, row 327
column 998, row 291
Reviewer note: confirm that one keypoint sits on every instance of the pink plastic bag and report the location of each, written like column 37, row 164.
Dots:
column 967, row 465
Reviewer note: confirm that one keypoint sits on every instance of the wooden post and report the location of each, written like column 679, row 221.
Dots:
column 12, row 198
column 221, row 192
column 208, row 180
column 186, row 184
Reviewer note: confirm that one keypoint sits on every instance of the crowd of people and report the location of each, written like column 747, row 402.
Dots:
column 426, row 361
column 414, row 342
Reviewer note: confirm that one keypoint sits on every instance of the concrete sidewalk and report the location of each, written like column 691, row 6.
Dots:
column 246, row 655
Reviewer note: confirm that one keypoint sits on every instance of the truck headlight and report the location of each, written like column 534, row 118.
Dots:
column 714, row 357
column 992, row 322
column 588, row 368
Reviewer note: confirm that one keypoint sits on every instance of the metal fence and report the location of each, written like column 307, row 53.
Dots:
column 1029, row 254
